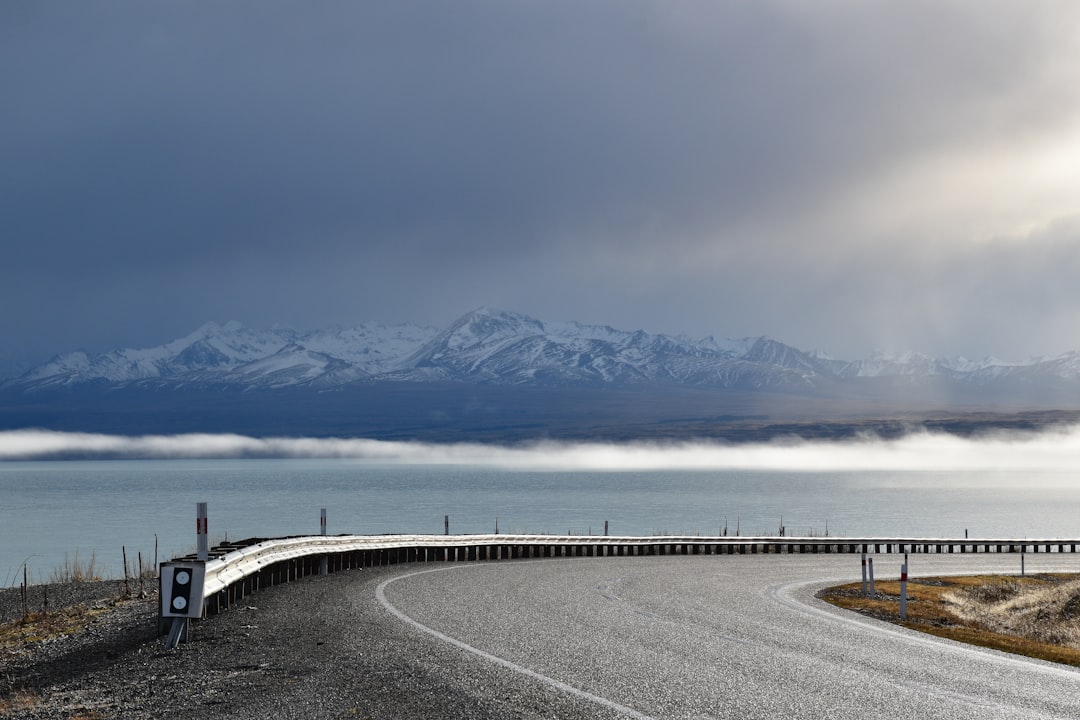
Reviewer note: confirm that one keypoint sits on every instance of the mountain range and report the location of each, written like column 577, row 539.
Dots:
column 521, row 377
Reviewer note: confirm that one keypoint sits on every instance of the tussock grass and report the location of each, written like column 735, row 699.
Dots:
column 1036, row 615
column 1044, row 611
column 20, row 701
column 75, row 569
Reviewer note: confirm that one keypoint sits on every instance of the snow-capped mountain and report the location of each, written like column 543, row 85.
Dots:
column 489, row 346
column 232, row 354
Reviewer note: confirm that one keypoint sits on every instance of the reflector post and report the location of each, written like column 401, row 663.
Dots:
column 182, row 589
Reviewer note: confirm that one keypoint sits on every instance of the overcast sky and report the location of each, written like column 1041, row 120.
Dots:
column 844, row 175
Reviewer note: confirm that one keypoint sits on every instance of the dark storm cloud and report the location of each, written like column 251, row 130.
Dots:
column 679, row 166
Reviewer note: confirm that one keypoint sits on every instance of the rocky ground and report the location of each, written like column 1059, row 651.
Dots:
column 318, row 648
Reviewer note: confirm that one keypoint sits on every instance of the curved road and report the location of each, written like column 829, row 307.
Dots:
column 718, row 637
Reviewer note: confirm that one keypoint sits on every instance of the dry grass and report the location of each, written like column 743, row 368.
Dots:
column 24, row 701
column 38, row 626
column 1043, row 611
column 1036, row 615
column 20, row 701
column 75, row 569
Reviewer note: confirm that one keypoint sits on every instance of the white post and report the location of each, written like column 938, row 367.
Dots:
column 202, row 536
column 903, row 591
column 873, row 593
column 324, row 564
column 864, row 573
column 1021, row 562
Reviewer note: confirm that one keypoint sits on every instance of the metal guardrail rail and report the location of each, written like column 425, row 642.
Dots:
column 237, row 569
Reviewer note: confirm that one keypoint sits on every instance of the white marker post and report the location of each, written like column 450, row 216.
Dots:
column 202, row 535
column 324, row 563
column 903, row 591
column 864, row 573
column 870, row 562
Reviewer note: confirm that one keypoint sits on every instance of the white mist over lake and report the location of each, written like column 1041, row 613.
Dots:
column 1050, row 450
column 124, row 491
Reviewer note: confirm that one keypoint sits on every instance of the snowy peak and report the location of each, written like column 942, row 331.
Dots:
column 487, row 328
column 63, row 369
column 461, row 348
column 201, row 353
column 231, row 342
column 770, row 352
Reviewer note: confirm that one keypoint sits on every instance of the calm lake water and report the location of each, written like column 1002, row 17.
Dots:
column 49, row 511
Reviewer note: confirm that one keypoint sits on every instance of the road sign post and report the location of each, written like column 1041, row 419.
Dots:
column 181, row 596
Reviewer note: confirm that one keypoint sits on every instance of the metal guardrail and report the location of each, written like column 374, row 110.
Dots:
column 237, row 564
column 232, row 571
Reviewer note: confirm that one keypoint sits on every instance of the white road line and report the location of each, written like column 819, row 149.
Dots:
column 783, row 595
column 380, row 595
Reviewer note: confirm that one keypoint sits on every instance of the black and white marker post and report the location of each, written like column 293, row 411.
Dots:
column 182, row 584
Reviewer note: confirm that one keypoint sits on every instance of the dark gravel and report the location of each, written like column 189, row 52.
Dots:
column 58, row 596
column 319, row 648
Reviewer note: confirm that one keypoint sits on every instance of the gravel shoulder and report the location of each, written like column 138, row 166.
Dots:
column 319, row 648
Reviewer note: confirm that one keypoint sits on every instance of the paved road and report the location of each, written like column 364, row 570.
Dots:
column 718, row 637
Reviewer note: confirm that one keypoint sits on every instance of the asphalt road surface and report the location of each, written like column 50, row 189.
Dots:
column 716, row 637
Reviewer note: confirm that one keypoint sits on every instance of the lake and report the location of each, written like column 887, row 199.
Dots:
column 51, row 510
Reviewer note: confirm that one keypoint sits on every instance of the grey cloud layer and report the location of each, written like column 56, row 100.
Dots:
column 681, row 166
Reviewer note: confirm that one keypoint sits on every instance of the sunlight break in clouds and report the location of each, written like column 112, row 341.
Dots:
column 1052, row 450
